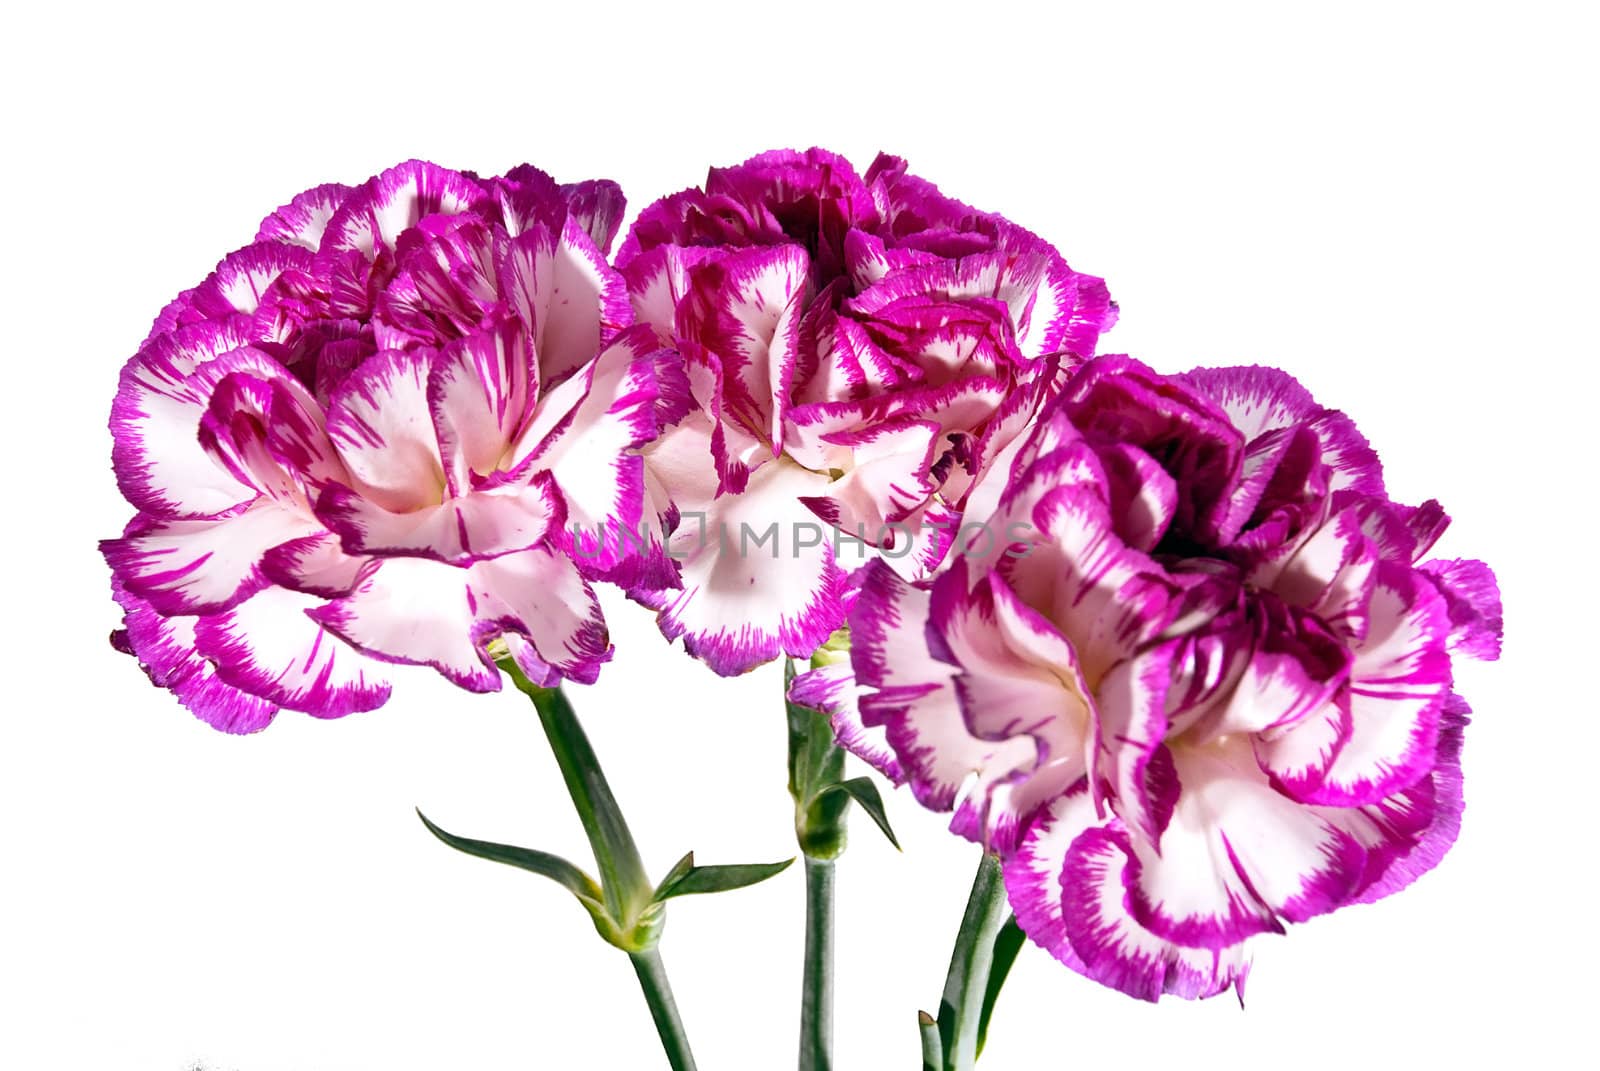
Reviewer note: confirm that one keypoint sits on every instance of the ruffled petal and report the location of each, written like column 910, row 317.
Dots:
column 1472, row 597
column 1398, row 683
column 529, row 199
column 1027, row 281
column 1298, row 758
column 826, row 434
column 679, row 477
column 268, row 646
column 890, row 478
column 1237, row 855
column 758, row 572
column 1025, row 704
column 267, row 430
column 592, row 453
column 1004, row 446
column 245, row 277
column 1069, row 885
column 1068, row 312
column 1033, row 871
column 908, row 691
column 195, row 567
column 1257, row 398
column 563, row 289
column 316, row 565
column 1331, row 572
column 443, row 285
column 155, row 422
column 302, row 221
column 541, row 597
column 420, row 612
column 416, row 612
column 596, row 205
column 1143, row 498
column 1108, row 597
column 373, row 217
column 1115, row 399
column 479, row 392
column 381, row 423
column 832, row 689
column 1407, row 834
column 1133, row 699
column 483, row 524
column 1261, row 399
column 165, row 648
column 1287, row 667
column 1281, row 463
column 657, row 281
column 748, row 308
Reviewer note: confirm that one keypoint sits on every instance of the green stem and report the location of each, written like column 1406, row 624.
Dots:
column 967, row 983
column 663, row 1009
column 622, row 875
column 816, row 768
column 624, row 884
column 816, row 997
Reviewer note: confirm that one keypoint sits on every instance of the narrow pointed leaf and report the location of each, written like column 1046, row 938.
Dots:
column 553, row 867
column 865, row 792
column 1006, row 946
column 676, row 874
column 932, row 1046
column 966, row 983
column 713, row 879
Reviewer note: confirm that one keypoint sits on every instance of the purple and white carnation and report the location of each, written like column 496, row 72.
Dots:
column 1208, row 693
column 859, row 350
column 370, row 436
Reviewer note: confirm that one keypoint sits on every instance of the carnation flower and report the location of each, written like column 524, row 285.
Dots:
column 1210, row 693
column 376, row 435
column 860, row 350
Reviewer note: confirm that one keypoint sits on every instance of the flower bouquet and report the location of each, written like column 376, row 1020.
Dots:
column 1161, row 644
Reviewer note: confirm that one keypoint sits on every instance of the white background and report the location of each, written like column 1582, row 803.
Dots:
column 1396, row 202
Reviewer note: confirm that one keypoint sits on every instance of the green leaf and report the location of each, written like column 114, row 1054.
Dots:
column 553, row 867
column 1007, row 943
column 971, row 964
column 679, row 869
column 932, row 1044
column 865, row 792
column 713, row 879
